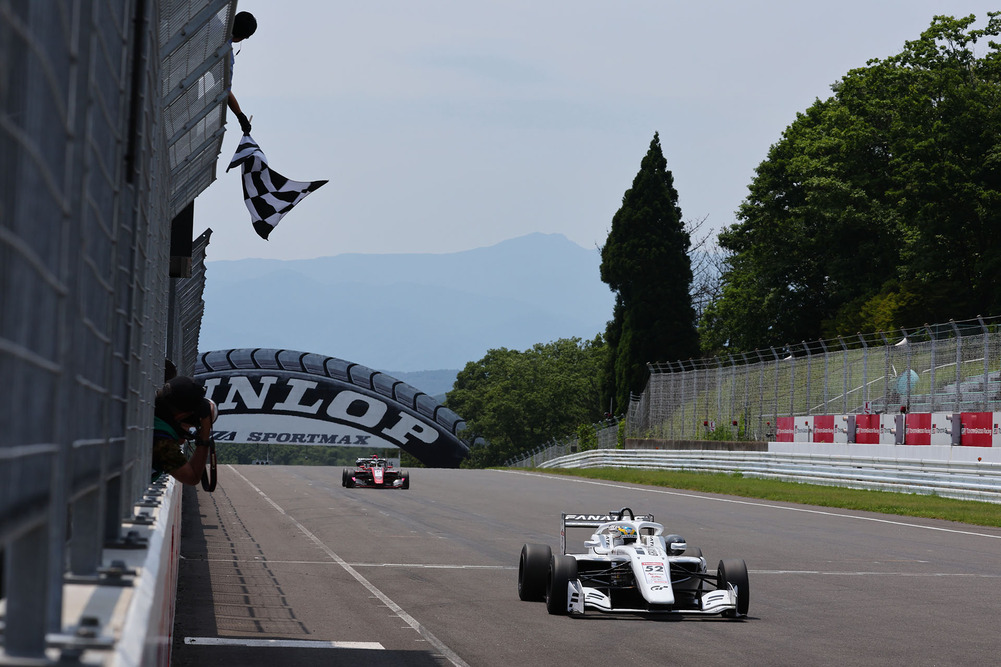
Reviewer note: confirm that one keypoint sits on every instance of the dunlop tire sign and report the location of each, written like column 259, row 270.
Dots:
column 288, row 397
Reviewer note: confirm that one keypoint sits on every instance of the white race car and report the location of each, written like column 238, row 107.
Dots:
column 630, row 567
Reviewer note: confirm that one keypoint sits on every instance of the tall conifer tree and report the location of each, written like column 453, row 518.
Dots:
column 645, row 262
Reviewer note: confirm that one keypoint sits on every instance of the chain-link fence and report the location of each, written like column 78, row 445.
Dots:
column 88, row 190
column 606, row 436
column 954, row 367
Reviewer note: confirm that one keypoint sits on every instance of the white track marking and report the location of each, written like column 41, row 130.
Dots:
column 431, row 566
column 280, row 643
column 823, row 573
column 445, row 651
column 425, row 566
column 580, row 480
column 415, row 566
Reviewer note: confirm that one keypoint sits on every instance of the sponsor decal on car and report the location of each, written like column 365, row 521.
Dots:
column 654, row 572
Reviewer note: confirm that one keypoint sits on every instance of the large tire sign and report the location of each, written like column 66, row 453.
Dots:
column 287, row 397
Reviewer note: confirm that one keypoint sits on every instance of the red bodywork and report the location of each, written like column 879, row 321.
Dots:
column 375, row 472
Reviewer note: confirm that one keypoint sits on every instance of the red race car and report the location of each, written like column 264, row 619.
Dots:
column 375, row 472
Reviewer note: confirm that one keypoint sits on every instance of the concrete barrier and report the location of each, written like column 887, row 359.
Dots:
column 148, row 628
column 123, row 615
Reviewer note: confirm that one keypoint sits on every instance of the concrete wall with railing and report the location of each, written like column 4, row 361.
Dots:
column 111, row 120
column 966, row 473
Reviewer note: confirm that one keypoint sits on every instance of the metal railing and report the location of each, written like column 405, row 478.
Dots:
column 89, row 185
column 949, row 479
column 606, row 437
column 951, row 367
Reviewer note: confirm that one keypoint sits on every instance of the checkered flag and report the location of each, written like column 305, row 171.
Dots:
column 268, row 194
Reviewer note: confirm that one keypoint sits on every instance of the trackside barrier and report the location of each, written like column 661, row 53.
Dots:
column 967, row 429
column 147, row 630
column 970, row 429
column 606, row 436
column 123, row 615
column 962, row 477
column 946, row 367
column 112, row 116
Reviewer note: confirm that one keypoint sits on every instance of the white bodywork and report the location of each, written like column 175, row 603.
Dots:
column 649, row 557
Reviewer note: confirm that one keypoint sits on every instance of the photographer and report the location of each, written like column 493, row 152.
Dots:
column 182, row 413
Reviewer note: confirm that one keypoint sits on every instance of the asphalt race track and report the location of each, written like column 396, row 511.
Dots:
column 284, row 566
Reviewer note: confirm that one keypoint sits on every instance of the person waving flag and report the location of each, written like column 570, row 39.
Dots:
column 267, row 194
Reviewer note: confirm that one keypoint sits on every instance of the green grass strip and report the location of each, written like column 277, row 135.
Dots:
column 885, row 502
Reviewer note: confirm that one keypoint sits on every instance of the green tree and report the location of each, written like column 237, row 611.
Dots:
column 878, row 208
column 516, row 401
column 645, row 262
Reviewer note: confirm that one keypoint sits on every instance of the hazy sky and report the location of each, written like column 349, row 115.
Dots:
column 445, row 125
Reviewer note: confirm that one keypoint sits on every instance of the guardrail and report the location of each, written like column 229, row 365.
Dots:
column 950, row 479
column 606, row 437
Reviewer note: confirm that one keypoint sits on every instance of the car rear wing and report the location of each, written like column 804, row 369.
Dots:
column 579, row 520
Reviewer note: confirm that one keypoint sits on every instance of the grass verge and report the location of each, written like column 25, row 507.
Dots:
column 885, row 502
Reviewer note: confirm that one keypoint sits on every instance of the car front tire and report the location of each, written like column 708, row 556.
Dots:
column 733, row 571
column 562, row 570
column 533, row 568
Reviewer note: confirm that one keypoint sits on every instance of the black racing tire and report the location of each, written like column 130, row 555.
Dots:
column 344, row 477
column 349, row 481
column 733, row 571
column 562, row 570
column 406, row 480
column 533, row 567
column 449, row 450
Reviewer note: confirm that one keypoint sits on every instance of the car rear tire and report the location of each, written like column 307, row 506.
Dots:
column 533, row 568
column 562, row 570
column 733, row 571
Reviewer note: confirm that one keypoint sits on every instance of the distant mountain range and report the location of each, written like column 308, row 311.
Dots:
column 409, row 313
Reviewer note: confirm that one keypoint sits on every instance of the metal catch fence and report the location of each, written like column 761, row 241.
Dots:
column 606, row 437
column 953, row 367
column 91, row 177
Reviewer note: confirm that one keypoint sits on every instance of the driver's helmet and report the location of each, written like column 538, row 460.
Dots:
column 675, row 544
column 624, row 534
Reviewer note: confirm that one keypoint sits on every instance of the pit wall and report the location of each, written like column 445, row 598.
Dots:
column 145, row 629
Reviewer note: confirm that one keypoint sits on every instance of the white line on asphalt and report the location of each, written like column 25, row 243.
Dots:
column 879, row 574
column 416, row 566
column 426, row 566
column 756, row 504
column 448, row 653
column 430, row 566
column 281, row 643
